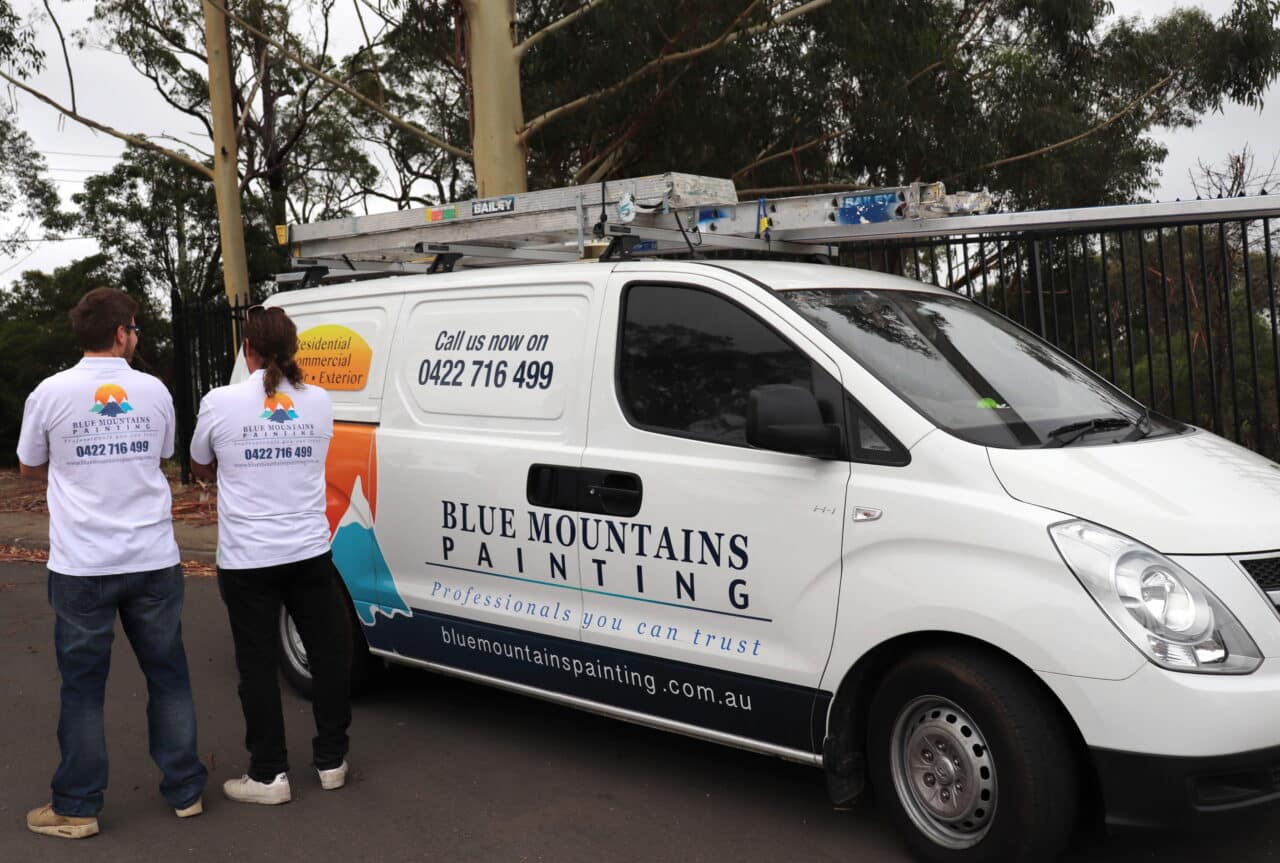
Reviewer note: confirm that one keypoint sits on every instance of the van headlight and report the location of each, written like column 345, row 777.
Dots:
column 1159, row 606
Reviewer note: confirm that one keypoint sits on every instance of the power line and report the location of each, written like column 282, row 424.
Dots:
column 18, row 262
column 39, row 240
column 80, row 155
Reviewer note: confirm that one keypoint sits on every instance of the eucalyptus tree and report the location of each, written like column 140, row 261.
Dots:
column 156, row 223
column 289, row 125
column 1045, row 101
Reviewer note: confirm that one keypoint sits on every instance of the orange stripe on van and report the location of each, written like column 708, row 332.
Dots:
column 352, row 454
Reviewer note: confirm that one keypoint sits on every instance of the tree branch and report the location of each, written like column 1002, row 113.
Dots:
column 767, row 191
column 535, row 38
column 730, row 35
column 368, row 46
column 1085, row 134
column 599, row 167
column 136, row 140
column 350, row 91
column 66, row 58
column 259, row 74
column 830, row 136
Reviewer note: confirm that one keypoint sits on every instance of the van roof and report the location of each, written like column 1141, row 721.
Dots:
column 785, row 276
column 773, row 275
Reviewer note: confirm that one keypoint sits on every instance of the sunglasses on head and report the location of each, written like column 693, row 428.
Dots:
column 261, row 308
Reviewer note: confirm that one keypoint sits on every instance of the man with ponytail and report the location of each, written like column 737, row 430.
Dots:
column 266, row 439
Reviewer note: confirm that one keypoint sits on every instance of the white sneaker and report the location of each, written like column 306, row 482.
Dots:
column 246, row 790
column 335, row 778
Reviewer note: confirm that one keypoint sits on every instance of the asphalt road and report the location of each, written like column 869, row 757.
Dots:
column 451, row 771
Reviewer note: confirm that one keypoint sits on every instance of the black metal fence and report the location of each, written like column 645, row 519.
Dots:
column 204, row 353
column 1183, row 316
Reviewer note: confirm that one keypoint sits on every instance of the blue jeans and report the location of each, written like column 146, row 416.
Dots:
column 150, row 608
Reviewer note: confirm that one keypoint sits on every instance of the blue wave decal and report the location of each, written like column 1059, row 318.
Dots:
column 359, row 558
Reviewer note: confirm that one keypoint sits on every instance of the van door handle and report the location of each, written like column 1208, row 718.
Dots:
column 611, row 492
column 552, row 486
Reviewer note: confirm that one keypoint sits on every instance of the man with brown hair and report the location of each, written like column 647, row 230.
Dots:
column 96, row 433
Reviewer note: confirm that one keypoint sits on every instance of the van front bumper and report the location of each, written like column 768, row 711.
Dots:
column 1142, row 790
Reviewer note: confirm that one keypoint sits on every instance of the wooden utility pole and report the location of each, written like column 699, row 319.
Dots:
column 226, row 179
column 493, row 68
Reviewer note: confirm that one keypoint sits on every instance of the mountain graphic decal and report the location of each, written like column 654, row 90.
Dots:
column 359, row 559
column 278, row 408
column 110, row 400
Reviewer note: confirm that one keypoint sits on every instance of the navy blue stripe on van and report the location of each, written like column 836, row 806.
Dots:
column 770, row 711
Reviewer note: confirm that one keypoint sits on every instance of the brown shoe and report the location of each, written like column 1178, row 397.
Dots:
column 191, row 811
column 45, row 820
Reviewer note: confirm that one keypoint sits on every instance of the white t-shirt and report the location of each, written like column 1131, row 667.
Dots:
column 103, row 428
column 271, row 452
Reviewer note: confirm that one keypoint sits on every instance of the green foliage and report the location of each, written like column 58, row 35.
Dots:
column 18, row 43
column 156, row 222
column 893, row 91
column 27, row 198
column 298, row 150
column 36, row 339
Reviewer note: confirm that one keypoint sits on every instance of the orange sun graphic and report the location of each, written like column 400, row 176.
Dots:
column 106, row 392
column 278, row 408
column 110, row 400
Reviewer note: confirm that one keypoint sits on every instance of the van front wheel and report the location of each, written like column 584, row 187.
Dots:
column 971, row 759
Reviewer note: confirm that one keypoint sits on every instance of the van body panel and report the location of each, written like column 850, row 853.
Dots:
column 952, row 552
column 1194, row 493
column 465, row 420
column 344, row 344
column 351, row 479
column 732, row 590
column 1158, row 712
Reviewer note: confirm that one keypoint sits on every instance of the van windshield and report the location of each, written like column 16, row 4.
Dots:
column 975, row 373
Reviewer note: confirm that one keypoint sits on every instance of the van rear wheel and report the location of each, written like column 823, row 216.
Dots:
column 971, row 759
column 297, row 670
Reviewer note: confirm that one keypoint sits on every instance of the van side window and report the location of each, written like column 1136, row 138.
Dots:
column 870, row 442
column 689, row 358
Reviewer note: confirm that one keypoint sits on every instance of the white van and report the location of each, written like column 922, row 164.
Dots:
column 834, row 516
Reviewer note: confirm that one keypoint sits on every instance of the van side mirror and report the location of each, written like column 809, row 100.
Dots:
column 787, row 419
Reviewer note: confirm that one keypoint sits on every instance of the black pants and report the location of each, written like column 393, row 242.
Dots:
column 309, row 589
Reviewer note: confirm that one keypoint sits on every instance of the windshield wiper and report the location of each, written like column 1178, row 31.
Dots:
column 1072, row 432
column 1142, row 427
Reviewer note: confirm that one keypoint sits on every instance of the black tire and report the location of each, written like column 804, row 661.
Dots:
column 293, row 656
column 971, row 759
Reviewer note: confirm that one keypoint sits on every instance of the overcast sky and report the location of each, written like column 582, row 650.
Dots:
column 108, row 90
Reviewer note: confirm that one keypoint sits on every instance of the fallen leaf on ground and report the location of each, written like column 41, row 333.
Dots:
column 196, row 569
column 25, row 555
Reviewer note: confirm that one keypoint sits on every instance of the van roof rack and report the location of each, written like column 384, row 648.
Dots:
column 663, row 214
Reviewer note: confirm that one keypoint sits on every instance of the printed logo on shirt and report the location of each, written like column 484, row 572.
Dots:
column 278, row 408
column 110, row 400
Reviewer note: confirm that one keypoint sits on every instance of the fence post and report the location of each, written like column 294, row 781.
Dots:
column 1033, row 257
column 184, row 382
